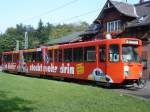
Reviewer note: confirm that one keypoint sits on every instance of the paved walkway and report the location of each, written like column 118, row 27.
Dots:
column 144, row 93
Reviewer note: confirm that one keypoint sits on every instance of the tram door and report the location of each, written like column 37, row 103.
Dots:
column 114, row 65
column 102, row 58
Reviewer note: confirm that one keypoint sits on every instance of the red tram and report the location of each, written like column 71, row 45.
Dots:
column 110, row 60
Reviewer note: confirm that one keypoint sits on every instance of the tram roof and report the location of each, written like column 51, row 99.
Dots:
column 79, row 44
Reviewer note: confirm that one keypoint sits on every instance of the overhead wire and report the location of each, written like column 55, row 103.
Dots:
column 81, row 15
column 63, row 6
column 52, row 10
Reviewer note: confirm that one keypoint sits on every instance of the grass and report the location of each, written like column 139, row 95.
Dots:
column 18, row 93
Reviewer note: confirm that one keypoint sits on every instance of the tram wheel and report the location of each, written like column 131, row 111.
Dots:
column 141, row 83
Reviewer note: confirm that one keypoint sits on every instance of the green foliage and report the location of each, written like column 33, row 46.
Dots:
column 62, row 30
column 41, row 33
column 18, row 93
column 37, row 37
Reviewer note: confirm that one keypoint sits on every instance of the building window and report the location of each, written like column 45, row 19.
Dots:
column 113, row 26
column 108, row 5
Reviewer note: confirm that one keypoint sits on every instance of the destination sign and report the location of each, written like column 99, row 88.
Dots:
column 135, row 42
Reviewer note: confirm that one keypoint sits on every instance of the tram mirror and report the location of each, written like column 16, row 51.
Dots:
column 144, row 63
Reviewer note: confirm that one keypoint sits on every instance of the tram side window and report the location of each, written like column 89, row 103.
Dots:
column 38, row 56
column 30, row 57
column 68, row 55
column 90, row 54
column 8, row 58
column 58, row 55
column 5, row 58
column 33, row 59
column 102, row 53
column 50, row 55
column 0, row 59
column 16, row 57
column 27, row 57
column 114, row 53
column 78, row 54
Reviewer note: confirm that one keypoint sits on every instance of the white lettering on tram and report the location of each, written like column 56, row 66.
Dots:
column 11, row 66
column 68, row 69
column 53, row 69
column 37, row 67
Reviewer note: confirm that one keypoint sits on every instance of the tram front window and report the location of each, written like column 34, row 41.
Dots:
column 130, row 53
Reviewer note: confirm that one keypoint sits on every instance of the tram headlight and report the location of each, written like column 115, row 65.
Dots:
column 141, row 73
column 126, row 73
column 126, row 70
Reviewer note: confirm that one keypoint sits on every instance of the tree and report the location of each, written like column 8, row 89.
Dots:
column 37, row 37
column 41, row 33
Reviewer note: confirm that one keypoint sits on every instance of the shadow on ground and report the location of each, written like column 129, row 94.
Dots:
column 13, row 104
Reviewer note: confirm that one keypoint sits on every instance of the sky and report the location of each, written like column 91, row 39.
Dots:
column 29, row 12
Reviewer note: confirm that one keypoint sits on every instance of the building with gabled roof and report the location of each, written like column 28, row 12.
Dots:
column 74, row 37
column 120, row 20
column 125, row 20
